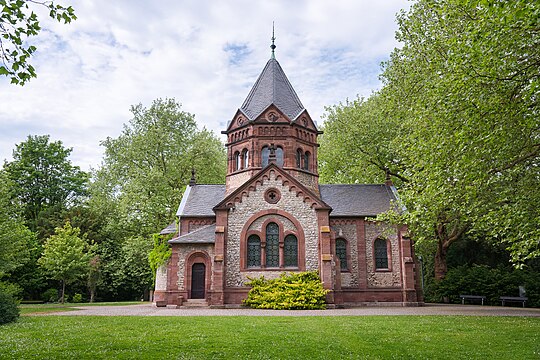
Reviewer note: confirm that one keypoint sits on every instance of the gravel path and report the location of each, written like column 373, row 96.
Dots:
column 430, row 309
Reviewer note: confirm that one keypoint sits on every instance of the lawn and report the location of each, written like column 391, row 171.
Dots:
column 243, row 337
column 30, row 309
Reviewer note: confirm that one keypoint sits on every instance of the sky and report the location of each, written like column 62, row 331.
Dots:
column 205, row 54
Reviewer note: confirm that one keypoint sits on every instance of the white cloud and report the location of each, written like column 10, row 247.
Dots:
column 207, row 55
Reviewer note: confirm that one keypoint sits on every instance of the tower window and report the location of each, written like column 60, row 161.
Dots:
column 279, row 157
column 299, row 157
column 306, row 160
column 245, row 159
column 265, row 154
column 237, row 161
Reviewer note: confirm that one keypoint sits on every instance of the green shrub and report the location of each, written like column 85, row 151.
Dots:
column 294, row 291
column 9, row 310
column 51, row 295
column 77, row 298
column 489, row 282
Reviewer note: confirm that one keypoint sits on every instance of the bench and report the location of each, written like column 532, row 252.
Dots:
column 516, row 299
column 472, row 298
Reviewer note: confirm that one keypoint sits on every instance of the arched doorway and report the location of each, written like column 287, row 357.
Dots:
column 198, row 283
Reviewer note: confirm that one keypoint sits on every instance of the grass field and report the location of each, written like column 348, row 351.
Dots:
column 30, row 309
column 340, row 337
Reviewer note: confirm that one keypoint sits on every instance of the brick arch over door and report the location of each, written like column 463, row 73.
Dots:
column 194, row 257
column 299, row 233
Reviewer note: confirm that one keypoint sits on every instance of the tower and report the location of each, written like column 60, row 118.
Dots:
column 272, row 125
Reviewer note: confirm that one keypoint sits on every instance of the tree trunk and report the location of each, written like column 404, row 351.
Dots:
column 440, row 261
column 92, row 294
column 63, row 291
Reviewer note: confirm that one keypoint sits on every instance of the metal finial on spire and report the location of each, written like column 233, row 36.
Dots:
column 193, row 180
column 273, row 46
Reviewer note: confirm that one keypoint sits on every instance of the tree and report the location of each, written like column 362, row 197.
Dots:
column 66, row 256
column 357, row 145
column 46, row 183
column 94, row 276
column 462, row 96
column 147, row 167
column 15, row 239
column 17, row 23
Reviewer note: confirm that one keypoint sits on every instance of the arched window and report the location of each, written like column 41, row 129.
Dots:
column 272, row 245
column 290, row 251
column 306, row 160
column 381, row 254
column 299, row 157
column 265, row 154
column 245, row 159
column 341, row 253
column 279, row 157
column 236, row 161
column 253, row 251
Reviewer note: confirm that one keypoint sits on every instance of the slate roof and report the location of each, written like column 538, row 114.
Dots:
column 345, row 200
column 199, row 200
column 357, row 199
column 203, row 235
column 171, row 229
column 272, row 87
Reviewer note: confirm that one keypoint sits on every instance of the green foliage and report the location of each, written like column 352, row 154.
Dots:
column 295, row 291
column 66, row 256
column 17, row 23
column 130, row 274
column 45, row 182
column 77, row 298
column 50, row 295
column 147, row 167
column 486, row 281
column 160, row 253
column 357, row 143
column 9, row 310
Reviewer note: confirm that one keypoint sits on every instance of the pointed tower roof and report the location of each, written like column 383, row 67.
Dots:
column 272, row 88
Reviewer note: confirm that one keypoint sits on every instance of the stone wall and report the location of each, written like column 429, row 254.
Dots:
column 346, row 229
column 382, row 278
column 161, row 278
column 183, row 252
column 255, row 202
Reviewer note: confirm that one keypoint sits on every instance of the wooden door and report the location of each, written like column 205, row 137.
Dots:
column 198, row 275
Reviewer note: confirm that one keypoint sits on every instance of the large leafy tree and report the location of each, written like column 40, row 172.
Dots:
column 46, row 182
column 147, row 167
column 16, row 239
column 18, row 22
column 462, row 95
column 66, row 256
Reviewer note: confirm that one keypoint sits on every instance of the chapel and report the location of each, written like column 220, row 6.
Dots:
column 273, row 216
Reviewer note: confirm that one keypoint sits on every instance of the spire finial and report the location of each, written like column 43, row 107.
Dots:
column 273, row 46
column 193, row 180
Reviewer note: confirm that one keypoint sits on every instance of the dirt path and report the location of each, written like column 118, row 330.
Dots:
column 430, row 309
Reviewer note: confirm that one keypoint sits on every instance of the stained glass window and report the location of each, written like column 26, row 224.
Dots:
column 341, row 253
column 290, row 250
column 272, row 245
column 381, row 254
column 254, row 251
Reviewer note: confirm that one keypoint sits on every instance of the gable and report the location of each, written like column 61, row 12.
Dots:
column 263, row 176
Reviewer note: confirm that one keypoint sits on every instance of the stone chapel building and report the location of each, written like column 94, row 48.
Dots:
column 273, row 216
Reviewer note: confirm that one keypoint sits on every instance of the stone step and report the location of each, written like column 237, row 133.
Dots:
column 195, row 303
